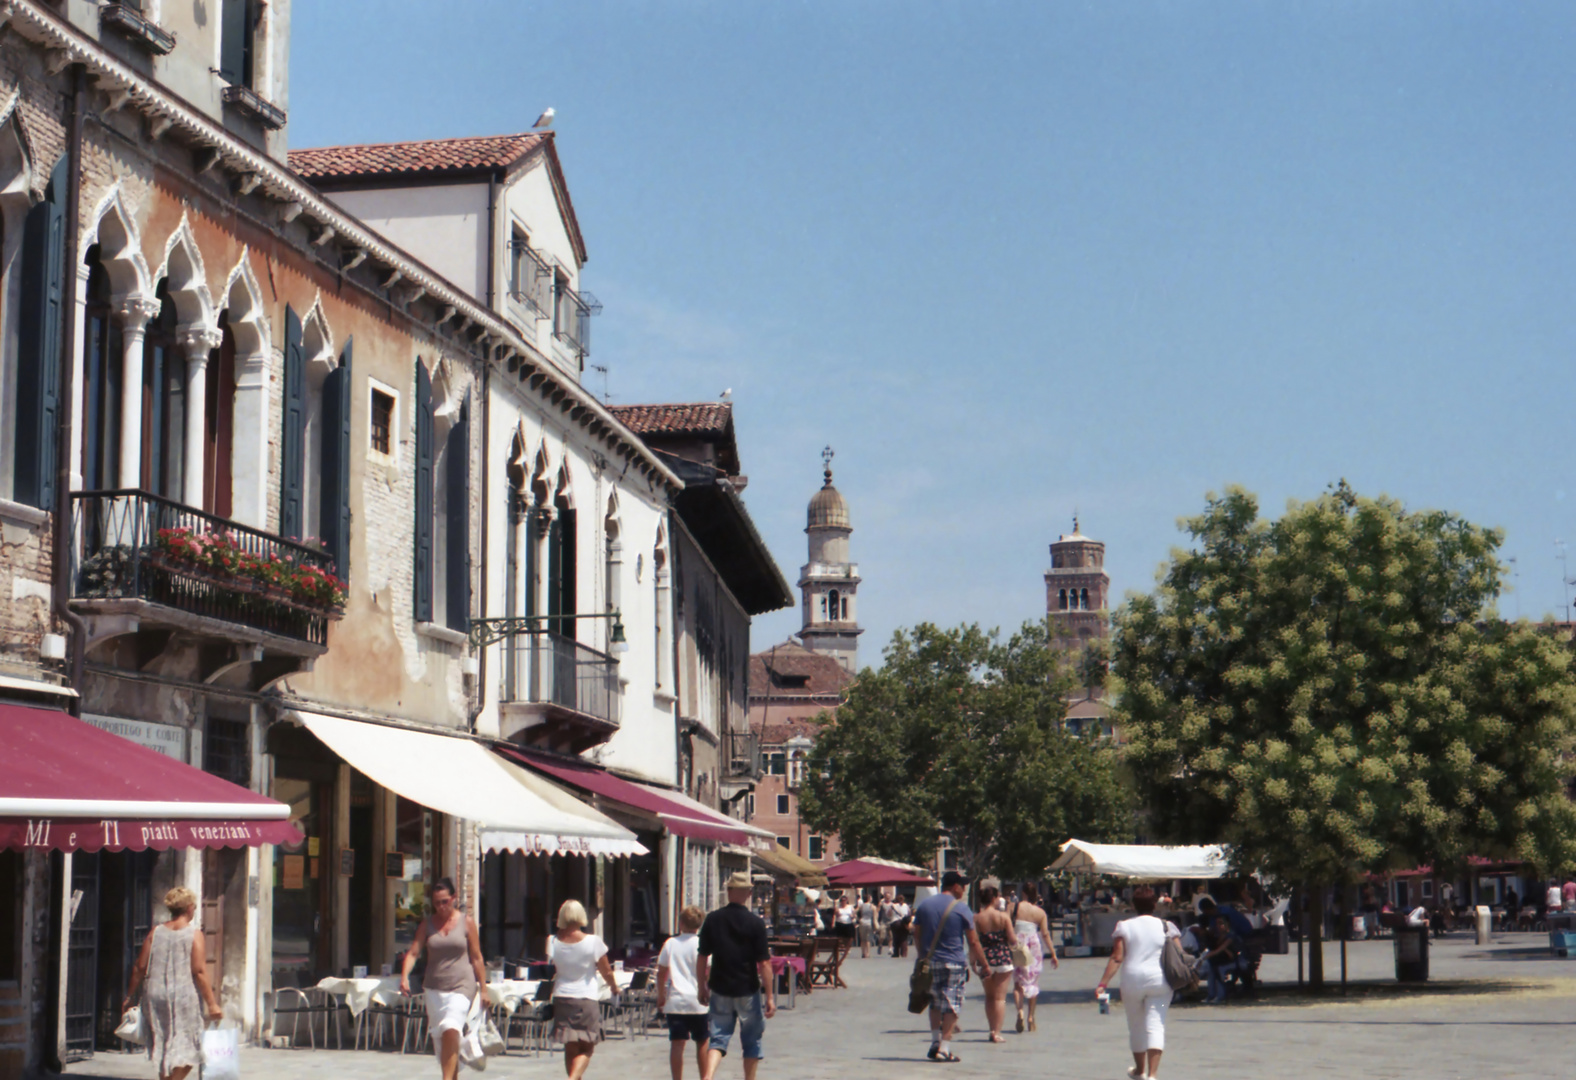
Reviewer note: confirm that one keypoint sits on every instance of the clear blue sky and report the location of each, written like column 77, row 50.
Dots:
column 1016, row 259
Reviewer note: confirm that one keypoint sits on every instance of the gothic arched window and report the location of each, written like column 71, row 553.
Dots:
column 832, row 604
column 1083, row 600
column 1061, row 600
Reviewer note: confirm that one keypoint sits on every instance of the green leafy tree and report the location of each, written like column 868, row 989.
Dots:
column 961, row 734
column 1331, row 694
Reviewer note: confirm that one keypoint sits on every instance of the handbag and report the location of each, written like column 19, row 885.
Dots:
column 473, row 1049
column 133, row 1028
column 919, row 981
column 1176, row 965
column 1021, row 956
column 221, row 1053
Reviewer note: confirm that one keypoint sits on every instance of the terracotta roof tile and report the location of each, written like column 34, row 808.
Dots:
column 790, row 670
column 713, row 418
column 422, row 156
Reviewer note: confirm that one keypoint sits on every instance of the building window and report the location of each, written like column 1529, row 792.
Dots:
column 777, row 764
column 227, row 750
column 749, row 806
column 382, row 422
column 845, row 608
column 817, row 849
column 785, row 841
column 1083, row 600
column 782, row 804
column 237, row 37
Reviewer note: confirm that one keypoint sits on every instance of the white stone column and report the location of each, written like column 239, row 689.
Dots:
column 134, row 311
column 196, row 342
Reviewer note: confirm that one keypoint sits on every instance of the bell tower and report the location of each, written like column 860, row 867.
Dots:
column 1077, row 590
column 829, row 583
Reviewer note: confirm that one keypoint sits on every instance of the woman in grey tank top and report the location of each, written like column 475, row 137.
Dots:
column 173, row 971
column 456, row 973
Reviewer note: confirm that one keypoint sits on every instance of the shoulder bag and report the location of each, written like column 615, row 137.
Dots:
column 919, row 981
column 1176, row 966
column 1021, row 956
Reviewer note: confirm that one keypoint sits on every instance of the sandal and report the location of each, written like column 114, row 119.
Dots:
column 1020, row 1022
column 995, row 1037
column 945, row 1059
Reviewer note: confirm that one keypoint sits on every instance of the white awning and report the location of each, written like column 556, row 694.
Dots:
column 1145, row 861
column 461, row 777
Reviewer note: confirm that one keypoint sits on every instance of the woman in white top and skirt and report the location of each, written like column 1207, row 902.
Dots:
column 1136, row 945
column 578, row 960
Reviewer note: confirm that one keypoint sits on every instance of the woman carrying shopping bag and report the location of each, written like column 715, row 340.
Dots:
column 455, row 973
column 173, row 969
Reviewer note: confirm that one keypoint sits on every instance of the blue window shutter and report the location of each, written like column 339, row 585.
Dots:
column 335, row 506
column 38, row 368
column 292, row 452
column 457, row 484
column 422, row 586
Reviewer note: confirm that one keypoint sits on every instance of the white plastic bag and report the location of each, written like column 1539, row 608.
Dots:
column 221, row 1053
column 473, row 1053
column 132, row 1027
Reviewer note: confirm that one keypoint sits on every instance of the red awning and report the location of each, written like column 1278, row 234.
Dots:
column 68, row 786
column 872, row 874
column 677, row 818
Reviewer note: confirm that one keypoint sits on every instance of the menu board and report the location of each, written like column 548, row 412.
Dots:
column 294, row 872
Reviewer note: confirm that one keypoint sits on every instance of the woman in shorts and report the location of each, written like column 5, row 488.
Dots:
column 997, row 937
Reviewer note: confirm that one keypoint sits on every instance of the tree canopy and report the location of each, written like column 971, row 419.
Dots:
column 962, row 735
column 1331, row 693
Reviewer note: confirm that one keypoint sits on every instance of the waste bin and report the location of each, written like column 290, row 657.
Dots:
column 1484, row 921
column 1411, row 954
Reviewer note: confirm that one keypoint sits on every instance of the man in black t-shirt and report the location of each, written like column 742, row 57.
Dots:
column 734, row 969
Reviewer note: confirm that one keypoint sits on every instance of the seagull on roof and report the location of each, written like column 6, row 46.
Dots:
column 727, row 395
column 543, row 121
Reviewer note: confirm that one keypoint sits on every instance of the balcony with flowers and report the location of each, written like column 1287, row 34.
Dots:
column 150, row 562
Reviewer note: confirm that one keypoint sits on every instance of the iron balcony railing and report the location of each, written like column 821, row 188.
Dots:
column 531, row 278
column 130, row 544
column 550, row 669
column 744, row 754
column 572, row 322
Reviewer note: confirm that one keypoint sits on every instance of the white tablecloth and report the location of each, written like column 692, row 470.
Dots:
column 359, row 993
column 512, row 993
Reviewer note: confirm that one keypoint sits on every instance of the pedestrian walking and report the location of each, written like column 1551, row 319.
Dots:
column 845, row 917
column 1136, row 945
column 944, row 931
column 579, row 959
column 867, row 925
column 456, row 973
column 997, row 938
column 1033, row 928
column 172, row 970
column 902, row 921
column 886, row 915
column 734, row 973
column 678, row 993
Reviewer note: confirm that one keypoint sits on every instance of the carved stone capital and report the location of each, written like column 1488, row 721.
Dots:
column 198, row 341
column 134, row 311
column 545, row 516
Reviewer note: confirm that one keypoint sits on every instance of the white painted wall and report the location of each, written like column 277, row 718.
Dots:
column 645, row 744
column 443, row 225
column 529, row 202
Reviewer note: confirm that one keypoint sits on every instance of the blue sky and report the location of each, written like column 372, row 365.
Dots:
column 1013, row 260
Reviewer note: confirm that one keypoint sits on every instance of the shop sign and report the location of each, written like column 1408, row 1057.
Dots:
column 167, row 739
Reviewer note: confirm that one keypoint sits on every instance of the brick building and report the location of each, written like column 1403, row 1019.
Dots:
column 1077, row 598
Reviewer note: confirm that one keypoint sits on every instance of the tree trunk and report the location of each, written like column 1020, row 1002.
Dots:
column 1314, row 932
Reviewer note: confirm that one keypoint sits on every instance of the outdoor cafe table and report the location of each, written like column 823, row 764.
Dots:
column 360, row 993
column 781, row 964
column 512, row 993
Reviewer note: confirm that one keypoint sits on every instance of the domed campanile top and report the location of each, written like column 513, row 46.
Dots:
column 829, row 582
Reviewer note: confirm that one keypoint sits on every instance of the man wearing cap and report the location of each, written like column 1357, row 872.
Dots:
column 734, row 970
column 945, row 922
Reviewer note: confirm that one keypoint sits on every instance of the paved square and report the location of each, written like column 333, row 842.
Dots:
column 1500, row 1011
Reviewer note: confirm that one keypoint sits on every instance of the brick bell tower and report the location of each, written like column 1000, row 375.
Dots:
column 1077, row 590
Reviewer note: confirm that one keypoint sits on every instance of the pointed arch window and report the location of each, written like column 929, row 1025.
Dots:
column 163, row 401
column 101, row 390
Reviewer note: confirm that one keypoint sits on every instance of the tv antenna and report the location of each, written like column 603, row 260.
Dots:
column 607, row 398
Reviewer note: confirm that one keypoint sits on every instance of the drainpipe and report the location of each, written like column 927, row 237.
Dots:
column 492, row 240
column 65, row 434
column 481, row 658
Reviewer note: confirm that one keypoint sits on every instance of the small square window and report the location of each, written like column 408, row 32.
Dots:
column 785, row 841
column 382, row 422
column 782, row 804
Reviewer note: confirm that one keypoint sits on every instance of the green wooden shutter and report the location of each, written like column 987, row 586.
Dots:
column 555, row 573
column 457, row 482
column 335, row 498
column 422, row 587
column 235, row 42
column 293, row 451
column 38, row 367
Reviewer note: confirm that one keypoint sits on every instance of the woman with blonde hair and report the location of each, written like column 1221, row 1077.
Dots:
column 173, row 969
column 455, row 975
column 578, row 960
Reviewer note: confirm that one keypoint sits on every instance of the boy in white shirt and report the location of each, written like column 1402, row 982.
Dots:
column 678, row 993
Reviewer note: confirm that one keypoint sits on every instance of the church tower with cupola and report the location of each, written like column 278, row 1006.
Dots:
column 1076, row 590
column 829, row 583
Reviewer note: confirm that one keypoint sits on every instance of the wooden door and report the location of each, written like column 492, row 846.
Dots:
column 213, row 939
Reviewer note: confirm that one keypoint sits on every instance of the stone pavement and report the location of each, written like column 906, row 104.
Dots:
column 1499, row 1011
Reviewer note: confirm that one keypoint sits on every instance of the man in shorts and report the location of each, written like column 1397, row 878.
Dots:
column 678, row 993
column 955, row 944
column 735, row 975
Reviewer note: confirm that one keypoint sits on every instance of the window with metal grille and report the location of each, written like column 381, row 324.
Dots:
column 227, row 750
column 382, row 422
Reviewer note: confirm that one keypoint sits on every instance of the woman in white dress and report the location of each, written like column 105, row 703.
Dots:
column 1136, row 945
